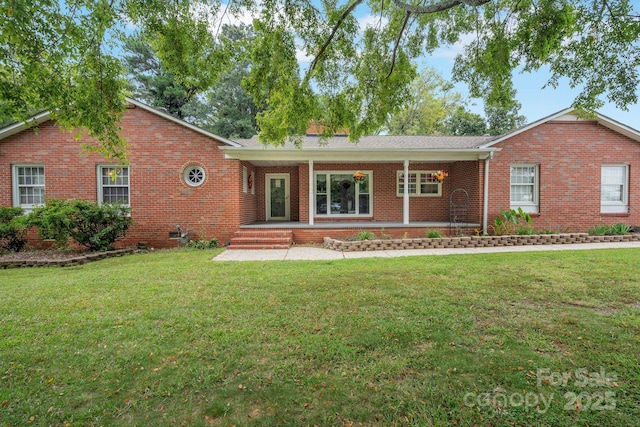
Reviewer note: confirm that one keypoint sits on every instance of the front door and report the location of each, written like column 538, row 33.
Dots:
column 277, row 196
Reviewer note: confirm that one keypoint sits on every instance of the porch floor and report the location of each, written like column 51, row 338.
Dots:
column 358, row 224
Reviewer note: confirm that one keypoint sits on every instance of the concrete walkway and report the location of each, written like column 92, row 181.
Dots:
column 316, row 253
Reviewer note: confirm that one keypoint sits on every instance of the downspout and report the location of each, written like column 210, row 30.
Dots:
column 485, row 199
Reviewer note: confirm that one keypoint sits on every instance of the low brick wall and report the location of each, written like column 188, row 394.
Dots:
column 473, row 242
column 76, row 260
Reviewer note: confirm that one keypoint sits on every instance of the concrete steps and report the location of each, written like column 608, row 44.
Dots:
column 261, row 239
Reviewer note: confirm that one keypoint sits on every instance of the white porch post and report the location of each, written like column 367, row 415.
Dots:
column 405, row 196
column 311, row 188
column 485, row 201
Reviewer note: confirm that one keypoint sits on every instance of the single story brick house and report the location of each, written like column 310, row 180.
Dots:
column 570, row 174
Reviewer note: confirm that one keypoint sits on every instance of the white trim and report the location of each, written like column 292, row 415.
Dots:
column 616, row 206
column 100, row 185
column 275, row 155
column 46, row 115
column 485, row 202
column 181, row 122
column 532, row 206
column 562, row 116
column 312, row 196
column 16, row 188
column 405, row 195
column 188, row 169
column 287, row 196
column 245, row 180
column 369, row 173
column 418, row 174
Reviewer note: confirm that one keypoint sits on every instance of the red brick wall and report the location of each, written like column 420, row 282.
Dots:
column 160, row 149
column 570, row 156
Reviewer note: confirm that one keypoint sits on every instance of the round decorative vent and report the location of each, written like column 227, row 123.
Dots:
column 194, row 175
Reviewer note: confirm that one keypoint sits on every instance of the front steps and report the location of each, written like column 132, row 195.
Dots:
column 261, row 239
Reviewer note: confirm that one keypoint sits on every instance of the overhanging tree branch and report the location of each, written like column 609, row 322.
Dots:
column 437, row 7
column 395, row 47
column 335, row 29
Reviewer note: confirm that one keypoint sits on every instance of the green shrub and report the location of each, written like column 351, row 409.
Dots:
column 53, row 221
column 97, row 227
column 202, row 244
column 601, row 230
column 434, row 234
column 620, row 229
column 365, row 235
column 512, row 222
column 12, row 230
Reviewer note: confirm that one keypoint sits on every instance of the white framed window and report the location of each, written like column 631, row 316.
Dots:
column 421, row 184
column 113, row 184
column 28, row 186
column 614, row 189
column 338, row 194
column 194, row 175
column 524, row 187
column 245, row 180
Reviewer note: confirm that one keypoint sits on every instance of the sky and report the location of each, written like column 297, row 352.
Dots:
column 536, row 102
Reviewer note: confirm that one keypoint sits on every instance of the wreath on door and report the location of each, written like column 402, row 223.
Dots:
column 250, row 181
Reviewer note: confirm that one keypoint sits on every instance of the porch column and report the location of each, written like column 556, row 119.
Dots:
column 485, row 202
column 311, row 196
column 405, row 196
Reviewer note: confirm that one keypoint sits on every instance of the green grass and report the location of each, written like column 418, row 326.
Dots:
column 171, row 338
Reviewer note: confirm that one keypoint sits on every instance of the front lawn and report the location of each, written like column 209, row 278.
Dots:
column 171, row 338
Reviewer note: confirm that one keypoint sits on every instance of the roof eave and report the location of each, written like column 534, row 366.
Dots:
column 46, row 115
column 20, row 126
column 355, row 154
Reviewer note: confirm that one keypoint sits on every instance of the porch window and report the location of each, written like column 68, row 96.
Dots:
column 524, row 187
column 421, row 184
column 28, row 186
column 614, row 193
column 337, row 193
column 113, row 184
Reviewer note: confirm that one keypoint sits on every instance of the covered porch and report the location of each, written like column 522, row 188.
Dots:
column 314, row 189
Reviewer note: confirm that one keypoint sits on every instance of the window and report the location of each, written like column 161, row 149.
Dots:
column 28, row 186
column 524, row 188
column 194, row 175
column 113, row 184
column 614, row 189
column 245, row 178
column 337, row 193
column 421, row 184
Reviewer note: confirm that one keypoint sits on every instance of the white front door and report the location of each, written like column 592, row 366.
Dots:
column 277, row 196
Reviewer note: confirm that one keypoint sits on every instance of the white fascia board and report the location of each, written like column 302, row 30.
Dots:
column 355, row 155
column 616, row 126
column 182, row 122
column 19, row 127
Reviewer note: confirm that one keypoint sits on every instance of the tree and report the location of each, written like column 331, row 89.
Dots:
column 502, row 120
column 59, row 55
column 149, row 80
column 431, row 101
column 462, row 122
column 227, row 109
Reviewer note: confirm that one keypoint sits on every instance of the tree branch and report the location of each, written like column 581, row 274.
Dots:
column 437, row 7
column 326, row 44
column 407, row 14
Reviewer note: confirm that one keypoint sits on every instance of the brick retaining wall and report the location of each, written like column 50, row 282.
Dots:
column 76, row 260
column 473, row 242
